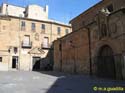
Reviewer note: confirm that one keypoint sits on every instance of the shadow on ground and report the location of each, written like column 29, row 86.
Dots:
column 68, row 83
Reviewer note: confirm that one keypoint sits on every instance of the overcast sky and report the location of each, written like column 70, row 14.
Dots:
column 60, row 10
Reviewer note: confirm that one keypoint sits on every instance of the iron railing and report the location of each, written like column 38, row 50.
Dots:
column 26, row 45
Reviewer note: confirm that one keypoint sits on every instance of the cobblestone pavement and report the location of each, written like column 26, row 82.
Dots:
column 53, row 82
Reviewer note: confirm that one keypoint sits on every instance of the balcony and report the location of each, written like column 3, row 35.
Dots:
column 26, row 45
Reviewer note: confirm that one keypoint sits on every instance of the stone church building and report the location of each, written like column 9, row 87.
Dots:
column 97, row 44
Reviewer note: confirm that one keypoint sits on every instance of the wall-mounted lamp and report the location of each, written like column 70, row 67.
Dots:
column 9, row 49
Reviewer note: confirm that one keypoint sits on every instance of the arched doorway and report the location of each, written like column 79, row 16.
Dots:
column 105, row 63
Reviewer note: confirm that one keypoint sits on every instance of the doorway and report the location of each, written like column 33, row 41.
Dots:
column 106, row 63
column 36, row 63
column 14, row 62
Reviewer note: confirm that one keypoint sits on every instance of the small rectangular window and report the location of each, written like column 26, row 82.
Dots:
column 23, row 25
column 67, row 31
column 58, row 30
column 33, row 27
column 0, row 59
column 43, row 26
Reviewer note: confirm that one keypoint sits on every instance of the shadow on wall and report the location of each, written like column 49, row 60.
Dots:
column 46, row 64
column 67, row 83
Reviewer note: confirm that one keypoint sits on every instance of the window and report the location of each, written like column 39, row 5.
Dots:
column 58, row 30
column 67, row 31
column 43, row 28
column 46, row 42
column 0, row 59
column 26, row 41
column 23, row 25
column 33, row 27
column 110, row 8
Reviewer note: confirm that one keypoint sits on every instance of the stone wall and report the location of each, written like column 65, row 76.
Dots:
column 106, row 29
column 71, row 53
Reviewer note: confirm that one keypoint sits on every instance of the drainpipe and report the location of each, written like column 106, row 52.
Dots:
column 19, row 38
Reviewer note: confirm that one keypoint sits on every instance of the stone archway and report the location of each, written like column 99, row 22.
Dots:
column 106, row 63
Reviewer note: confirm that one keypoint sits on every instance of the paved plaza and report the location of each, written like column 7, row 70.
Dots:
column 53, row 82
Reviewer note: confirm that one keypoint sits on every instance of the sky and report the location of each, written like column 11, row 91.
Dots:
column 60, row 10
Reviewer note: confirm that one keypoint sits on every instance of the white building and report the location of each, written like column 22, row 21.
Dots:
column 31, row 11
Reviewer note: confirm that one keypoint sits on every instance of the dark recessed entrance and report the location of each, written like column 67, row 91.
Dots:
column 36, row 63
column 105, row 63
column 14, row 61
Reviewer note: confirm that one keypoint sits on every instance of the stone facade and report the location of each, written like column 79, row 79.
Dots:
column 103, row 48
column 71, row 53
column 25, row 41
